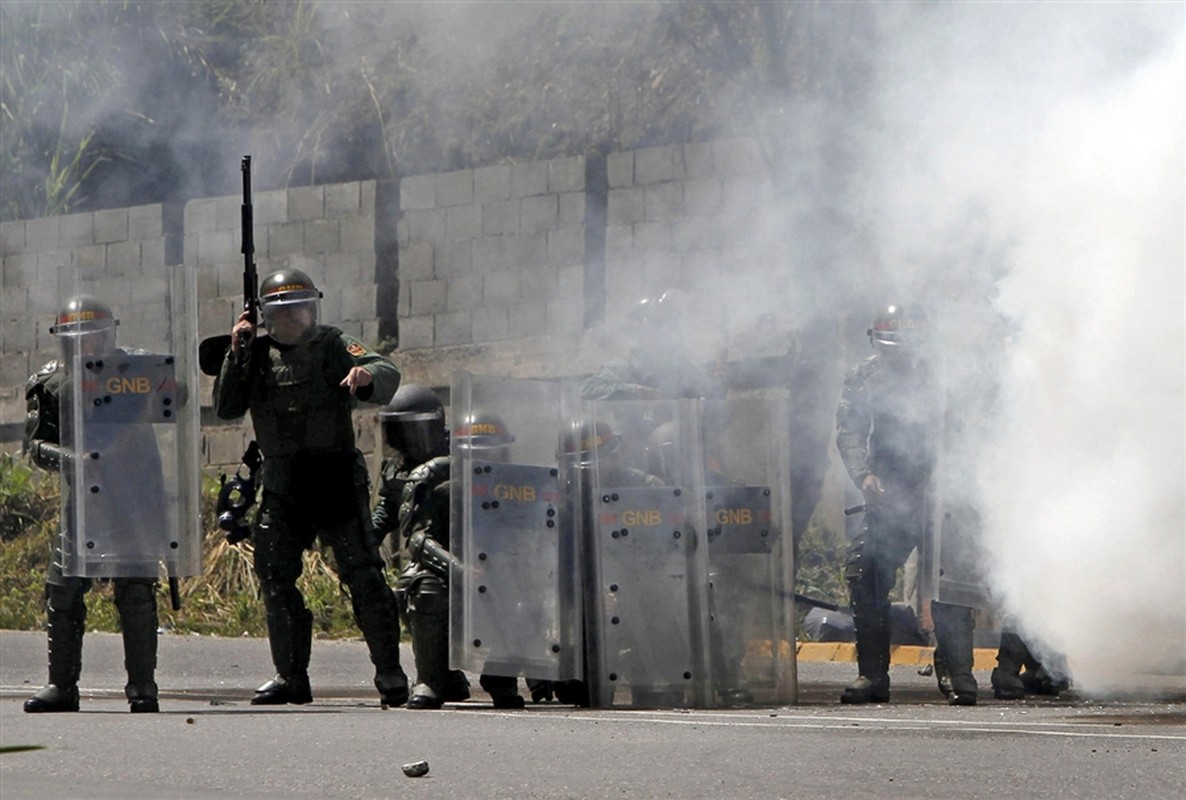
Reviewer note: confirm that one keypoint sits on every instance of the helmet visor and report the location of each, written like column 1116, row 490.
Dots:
column 288, row 317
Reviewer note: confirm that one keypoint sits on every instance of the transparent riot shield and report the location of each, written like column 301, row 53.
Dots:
column 514, row 610
column 953, row 548
column 129, row 429
column 750, row 582
column 645, row 553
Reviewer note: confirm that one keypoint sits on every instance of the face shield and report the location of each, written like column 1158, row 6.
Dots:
column 290, row 315
column 417, row 437
column 84, row 337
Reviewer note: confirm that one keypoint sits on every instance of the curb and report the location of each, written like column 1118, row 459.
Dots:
column 900, row 655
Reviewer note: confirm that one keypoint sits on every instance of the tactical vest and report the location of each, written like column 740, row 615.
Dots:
column 298, row 404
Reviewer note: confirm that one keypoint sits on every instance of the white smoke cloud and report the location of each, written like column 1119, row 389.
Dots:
column 1047, row 142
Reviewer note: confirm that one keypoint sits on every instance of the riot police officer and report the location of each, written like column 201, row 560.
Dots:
column 85, row 326
column 886, row 425
column 300, row 383
column 418, row 419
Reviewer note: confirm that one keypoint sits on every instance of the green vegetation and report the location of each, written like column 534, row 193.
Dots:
column 223, row 601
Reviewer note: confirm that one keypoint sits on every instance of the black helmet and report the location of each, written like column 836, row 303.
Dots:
column 86, row 319
column 288, row 289
column 414, row 424
column 484, row 435
column 895, row 327
column 586, row 440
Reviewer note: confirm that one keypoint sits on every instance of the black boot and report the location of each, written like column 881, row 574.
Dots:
column 136, row 603
column 66, row 621
column 503, row 690
column 290, row 637
column 873, row 643
column 378, row 619
column 953, row 631
column 1006, row 675
column 428, row 617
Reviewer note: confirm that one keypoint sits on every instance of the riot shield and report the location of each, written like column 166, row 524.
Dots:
column 645, row 557
column 129, row 426
column 514, row 610
column 750, row 585
column 953, row 548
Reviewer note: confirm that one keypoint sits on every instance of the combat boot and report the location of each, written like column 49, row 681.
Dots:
column 872, row 685
column 393, row 688
column 424, row 698
column 290, row 638
column 1006, row 675
column 136, row 603
column 503, row 690
column 953, row 631
column 428, row 619
column 456, row 687
column 66, row 621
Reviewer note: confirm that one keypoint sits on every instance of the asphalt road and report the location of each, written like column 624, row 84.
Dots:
column 208, row 742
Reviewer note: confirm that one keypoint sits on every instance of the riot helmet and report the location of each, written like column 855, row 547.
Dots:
column 663, row 311
column 895, row 327
column 85, row 325
column 585, row 441
column 663, row 452
column 289, row 304
column 414, row 424
column 484, row 436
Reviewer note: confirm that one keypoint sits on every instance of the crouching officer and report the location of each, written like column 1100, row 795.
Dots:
column 86, row 327
column 300, row 383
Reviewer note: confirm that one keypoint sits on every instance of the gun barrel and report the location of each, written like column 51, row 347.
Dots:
column 250, row 278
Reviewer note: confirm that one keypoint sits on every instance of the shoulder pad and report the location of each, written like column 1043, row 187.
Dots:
column 436, row 469
column 47, row 369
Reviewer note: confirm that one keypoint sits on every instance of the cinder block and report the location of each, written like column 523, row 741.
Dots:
column 147, row 222
column 123, row 258
column 529, row 178
column 565, row 314
column 152, row 253
column 463, row 222
column 492, row 183
column 306, row 203
column 426, row 226
column 501, row 288
column 343, row 200
column 619, row 241
column 698, row 161
column 664, row 200
column 267, row 208
column 12, row 238
column 652, row 235
column 17, row 271
column 285, row 240
column 322, row 236
column 738, row 157
column 566, row 175
column 539, row 213
column 464, row 293
column 77, row 230
column 454, row 328
column 417, row 192
column 217, row 315
column 403, row 303
column 695, row 233
column 111, row 225
column 489, row 323
column 500, row 217
column 216, row 248
column 370, row 331
column 702, row 197
column 200, row 216
column 455, row 188
column 624, row 206
column 528, row 250
column 491, row 253
column 347, row 268
column 358, row 301
column 537, row 283
column 428, row 297
column 572, row 209
column 42, row 235
column 17, row 335
column 619, row 169
column 416, row 332
column 527, row 320
column 658, row 164
column 416, row 262
column 455, row 258
column 566, row 246
column 358, row 233
column 93, row 257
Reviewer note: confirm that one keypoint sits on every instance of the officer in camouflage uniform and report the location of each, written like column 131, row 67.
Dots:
column 424, row 522
column 300, row 383
column 88, row 324
column 657, row 366
column 887, row 425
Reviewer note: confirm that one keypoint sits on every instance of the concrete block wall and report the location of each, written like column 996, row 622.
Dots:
column 117, row 254
column 492, row 254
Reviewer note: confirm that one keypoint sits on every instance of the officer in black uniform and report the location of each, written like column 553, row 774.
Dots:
column 418, row 419
column 87, row 324
column 887, row 425
column 300, row 383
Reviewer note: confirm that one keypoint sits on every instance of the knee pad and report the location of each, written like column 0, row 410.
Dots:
column 130, row 593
